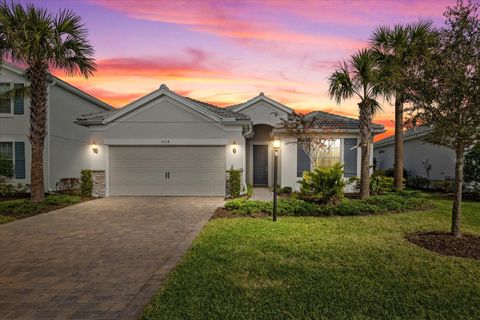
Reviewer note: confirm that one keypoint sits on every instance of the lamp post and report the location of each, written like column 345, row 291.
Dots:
column 276, row 148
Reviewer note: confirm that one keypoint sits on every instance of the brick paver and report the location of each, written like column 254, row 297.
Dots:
column 102, row 259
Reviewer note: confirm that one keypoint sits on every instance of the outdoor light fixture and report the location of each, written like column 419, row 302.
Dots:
column 276, row 147
column 234, row 147
column 94, row 147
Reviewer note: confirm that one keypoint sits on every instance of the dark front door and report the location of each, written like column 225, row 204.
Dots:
column 260, row 165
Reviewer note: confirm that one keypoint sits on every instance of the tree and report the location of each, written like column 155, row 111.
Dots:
column 446, row 91
column 398, row 50
column 360, row 77
column 315, row 141
column 33, row 37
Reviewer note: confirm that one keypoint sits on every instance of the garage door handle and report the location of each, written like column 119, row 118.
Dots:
column 166, row 175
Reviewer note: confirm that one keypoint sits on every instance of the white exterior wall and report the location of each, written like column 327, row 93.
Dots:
column 70, row 144
column 165, row 121
column 416, row 152
column 16, row 127
column 66, row 144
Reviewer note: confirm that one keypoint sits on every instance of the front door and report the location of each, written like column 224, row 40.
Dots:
column 260, row 165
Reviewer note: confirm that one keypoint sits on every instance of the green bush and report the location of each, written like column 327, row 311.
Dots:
column 6, row 219
column 25, row 207
column 86, row 183
column 380, row 184
column 397, row 202
column 10, row 190
column 323, row 185
column 249, row 191
column 234, row 182
column 287, row 190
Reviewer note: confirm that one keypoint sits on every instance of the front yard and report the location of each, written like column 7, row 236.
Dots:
column 323, row 268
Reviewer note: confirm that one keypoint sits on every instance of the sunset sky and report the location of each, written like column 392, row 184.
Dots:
column 227, row 52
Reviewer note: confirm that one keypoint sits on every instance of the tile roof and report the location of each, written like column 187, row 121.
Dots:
column 325, row 120
column 221, row 112
column 409, row 134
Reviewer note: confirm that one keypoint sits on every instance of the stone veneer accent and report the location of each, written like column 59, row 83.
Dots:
column 99, row 183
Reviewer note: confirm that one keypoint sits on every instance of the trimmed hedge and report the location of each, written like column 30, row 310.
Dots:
column 397, row 202
column 6, row 219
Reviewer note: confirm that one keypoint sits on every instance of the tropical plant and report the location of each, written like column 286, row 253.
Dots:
column 360, row 77
column 86, row 183
column 446, row 95
column 34, row 37
column 323, row 185
column 398, row 51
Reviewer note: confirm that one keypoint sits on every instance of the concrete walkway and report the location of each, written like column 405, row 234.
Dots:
column 102, row 259
column 263, row 194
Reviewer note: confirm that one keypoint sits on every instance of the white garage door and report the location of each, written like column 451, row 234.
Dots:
column 168, row 171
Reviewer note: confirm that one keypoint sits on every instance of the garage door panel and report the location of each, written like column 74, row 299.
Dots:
column 193, row 170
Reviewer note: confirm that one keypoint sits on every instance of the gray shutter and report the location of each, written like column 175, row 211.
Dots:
column 303, row 161
column 350, row 157
column 20, row 160
column 19, row 100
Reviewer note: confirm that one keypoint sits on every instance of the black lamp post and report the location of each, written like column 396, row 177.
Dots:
column 276, row 148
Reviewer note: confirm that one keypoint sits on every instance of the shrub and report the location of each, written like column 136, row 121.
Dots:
column 86, row 183
column 234, row 182
column 287, row 190
column 249, row 191
column 380, row 184
column 25, row 207
column 10, row 190
column 323, row 185
column 472, row 167
column 401, row 201
column 418, row 182
column 390, row 172
column 6, row 219
column 68, row 186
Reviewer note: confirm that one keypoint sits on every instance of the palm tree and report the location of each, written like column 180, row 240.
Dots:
column 33, row 37
column 359, row 76
column 398, row 50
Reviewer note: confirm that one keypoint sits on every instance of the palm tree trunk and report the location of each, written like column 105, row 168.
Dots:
column 398, row 162
column 457, row 200
column 365, row 136
column 38, row 130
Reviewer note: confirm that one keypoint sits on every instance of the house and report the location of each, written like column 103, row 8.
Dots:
column 420, row 158
column 168, row 144
column 67, row 145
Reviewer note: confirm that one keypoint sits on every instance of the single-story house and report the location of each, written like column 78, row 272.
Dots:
column 67, row 145
column 168, row 144
column 420, row 158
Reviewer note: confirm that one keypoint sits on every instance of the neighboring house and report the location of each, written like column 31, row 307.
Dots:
column 168, row 144
column 419, row 158
column 67, row 145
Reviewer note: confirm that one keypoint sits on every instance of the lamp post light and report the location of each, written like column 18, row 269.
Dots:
column 276, row 148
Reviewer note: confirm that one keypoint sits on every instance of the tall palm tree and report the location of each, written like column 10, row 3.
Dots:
column 359, row 76
column 398, row 50
column 34, row 37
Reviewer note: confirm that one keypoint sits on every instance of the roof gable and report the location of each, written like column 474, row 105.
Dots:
column 260, row 97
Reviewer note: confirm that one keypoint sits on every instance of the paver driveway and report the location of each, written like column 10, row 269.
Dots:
column 102, row 259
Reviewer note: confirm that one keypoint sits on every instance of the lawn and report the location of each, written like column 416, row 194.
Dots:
column 323, row 268
column 11, row 210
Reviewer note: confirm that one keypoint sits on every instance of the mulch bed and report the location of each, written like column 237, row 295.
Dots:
column 224, row 213
column 468, row 246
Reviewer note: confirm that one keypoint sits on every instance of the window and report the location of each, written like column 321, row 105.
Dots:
column 5, row 102
column 328, row 155
column 6, row 159
column 350, row 157
column 303, row 160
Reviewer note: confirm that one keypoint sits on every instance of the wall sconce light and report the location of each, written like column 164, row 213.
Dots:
column 234, row 147
column 94, row 147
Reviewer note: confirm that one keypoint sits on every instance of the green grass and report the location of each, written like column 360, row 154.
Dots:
column 322, row 268
column 10, row 210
